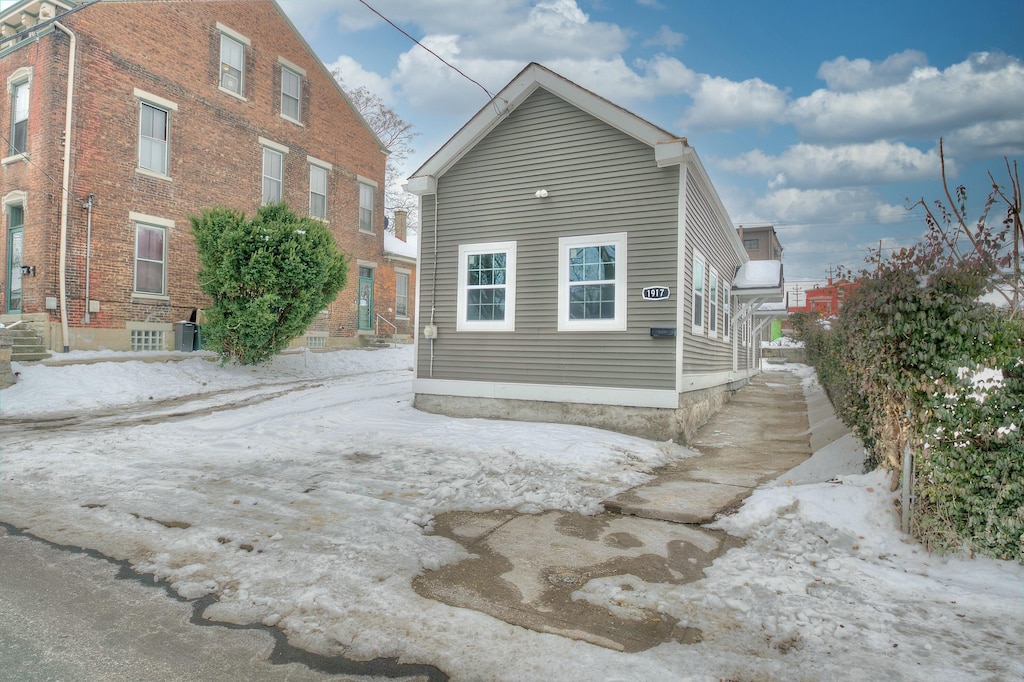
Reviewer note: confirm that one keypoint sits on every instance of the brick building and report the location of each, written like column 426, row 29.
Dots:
column 124, row 118
column 826, row 300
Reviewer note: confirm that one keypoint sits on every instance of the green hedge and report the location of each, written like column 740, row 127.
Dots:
column 905, row 363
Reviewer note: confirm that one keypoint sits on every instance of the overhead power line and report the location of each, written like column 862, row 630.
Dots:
column 439, row 57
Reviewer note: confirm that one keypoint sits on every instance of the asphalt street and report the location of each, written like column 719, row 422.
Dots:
column 67, row 614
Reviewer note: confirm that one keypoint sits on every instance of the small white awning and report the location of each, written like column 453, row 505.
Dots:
column 759, row 280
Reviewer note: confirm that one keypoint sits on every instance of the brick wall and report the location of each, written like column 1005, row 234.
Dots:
column 169, row 54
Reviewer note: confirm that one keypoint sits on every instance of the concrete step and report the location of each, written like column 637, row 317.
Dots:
column 27, row 345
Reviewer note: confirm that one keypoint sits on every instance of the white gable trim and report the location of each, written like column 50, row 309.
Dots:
column 515, row 93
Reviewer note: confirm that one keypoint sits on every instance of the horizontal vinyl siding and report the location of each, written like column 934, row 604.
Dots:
column 599, row 180
column 706, row 233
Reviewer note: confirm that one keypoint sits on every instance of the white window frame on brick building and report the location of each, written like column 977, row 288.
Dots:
column 319, row 181
column 402, row 293
column 154, row 153
column 291, row 90
column 367, row 198
column 19, row 87
column 273, row 171
column 146, row 228
column 233, row 44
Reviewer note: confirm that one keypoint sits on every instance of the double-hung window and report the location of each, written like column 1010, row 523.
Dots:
column 317, row 191
column 487, row 287
column 232, row 60
column 726, row 311
column 712, row 302
column 366, row 192
column 697, row 322
column 155, row 115
column 19, row 117
column 592, row 282
column 150, row 259
column 402, row 294
column 273, row 171
column 153, row 138
column 291, row 93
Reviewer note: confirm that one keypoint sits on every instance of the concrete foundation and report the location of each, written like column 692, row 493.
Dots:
column 680, row 424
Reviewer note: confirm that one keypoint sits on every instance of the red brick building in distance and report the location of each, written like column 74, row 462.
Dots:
column 826, row 300
column 123, row 119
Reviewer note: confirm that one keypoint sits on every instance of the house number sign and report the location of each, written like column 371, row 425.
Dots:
column 655, row 293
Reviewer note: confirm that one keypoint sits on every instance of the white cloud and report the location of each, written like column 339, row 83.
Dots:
column 998, row 138
column 845, row 75
column 550, row 30
column 665, row 37
column 355, row 76
column 827, row 206
column 722, row 104
column 807, row 165
column 929, row 103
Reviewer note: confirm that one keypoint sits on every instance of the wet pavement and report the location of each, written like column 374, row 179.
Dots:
column 525, row 569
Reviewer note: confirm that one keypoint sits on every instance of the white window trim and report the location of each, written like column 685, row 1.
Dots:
column 726, row 312
column 166, row 173
column 618, row 323
column 462, row 297
column 408, row 284
column 698, row 257
column 301, row 76
column 327, row 182
column 23, row 74
column 712, row 294
column 275, row 147
column 157, row 222
column 372, row 208
column 155, row 100
column 246, row 44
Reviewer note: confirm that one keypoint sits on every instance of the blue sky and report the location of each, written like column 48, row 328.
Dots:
column 819, row 117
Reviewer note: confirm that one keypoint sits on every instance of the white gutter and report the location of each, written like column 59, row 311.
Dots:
column 62, row 266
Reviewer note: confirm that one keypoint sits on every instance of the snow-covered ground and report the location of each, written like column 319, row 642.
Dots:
column 302, row 494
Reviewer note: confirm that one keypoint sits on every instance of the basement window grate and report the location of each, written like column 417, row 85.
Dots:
column 316, row 342
column 147, row 339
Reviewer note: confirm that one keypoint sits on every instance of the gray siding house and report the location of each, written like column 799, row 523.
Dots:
column 576, row 266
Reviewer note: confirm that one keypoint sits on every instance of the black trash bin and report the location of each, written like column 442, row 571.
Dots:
column 184, row 336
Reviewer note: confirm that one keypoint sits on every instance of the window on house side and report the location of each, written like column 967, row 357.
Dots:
column 19, row 118
column 365, row 207
column 712, row 302
column 150, row 259
column 751, row 244
column 726, row 311
column 487, row 287
column 318, row 192
column 153, row 139
column 291, row 94
column 273, row 175
column 592, row 283
column 698, row 293
column 402, row 295
column 232, row 65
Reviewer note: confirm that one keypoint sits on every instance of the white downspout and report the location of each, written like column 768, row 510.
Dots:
column 62, row 266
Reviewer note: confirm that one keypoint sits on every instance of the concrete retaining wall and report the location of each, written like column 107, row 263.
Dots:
column 7, row 377
column 695, row 409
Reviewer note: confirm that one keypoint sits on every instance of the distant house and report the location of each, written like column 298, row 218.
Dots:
column 126, row 118
column 760, row 242
column 826, row 300
column 577, row 265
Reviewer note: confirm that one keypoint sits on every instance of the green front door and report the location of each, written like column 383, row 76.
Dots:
column 15, row 251
column 365, row 298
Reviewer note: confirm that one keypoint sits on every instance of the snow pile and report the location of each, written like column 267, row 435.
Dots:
column 302, row 492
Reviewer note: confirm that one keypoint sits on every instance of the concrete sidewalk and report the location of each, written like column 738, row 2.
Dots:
column 526, row 568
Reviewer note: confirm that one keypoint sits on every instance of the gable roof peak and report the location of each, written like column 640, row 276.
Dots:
column 669, row 148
